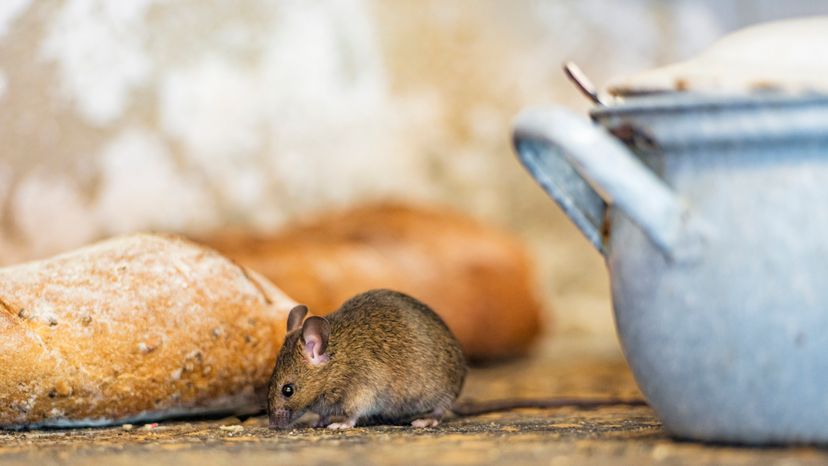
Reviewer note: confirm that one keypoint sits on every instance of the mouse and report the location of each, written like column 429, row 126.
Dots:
column 383, row 357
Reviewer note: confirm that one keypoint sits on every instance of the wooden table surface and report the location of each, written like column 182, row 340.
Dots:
column 565, row 436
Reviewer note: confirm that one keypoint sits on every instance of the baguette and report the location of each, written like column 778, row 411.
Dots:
column 478, row 279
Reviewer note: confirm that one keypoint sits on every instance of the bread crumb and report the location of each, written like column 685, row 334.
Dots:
column 235, row 428
column 149, row 344
column 193, row 358
column 62, row 388
column 142, row 347
column 127, row 427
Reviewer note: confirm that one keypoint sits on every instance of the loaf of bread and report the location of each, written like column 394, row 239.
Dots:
column 134, row 328
column 477, row 278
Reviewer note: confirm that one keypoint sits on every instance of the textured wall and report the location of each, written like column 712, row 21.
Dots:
column 191, row 115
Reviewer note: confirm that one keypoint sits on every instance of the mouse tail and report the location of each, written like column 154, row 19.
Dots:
column 474, row 407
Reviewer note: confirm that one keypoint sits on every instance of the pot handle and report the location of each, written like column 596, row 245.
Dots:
column 574, row 161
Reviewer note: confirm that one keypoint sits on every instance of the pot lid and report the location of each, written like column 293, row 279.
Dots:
column 786, row 56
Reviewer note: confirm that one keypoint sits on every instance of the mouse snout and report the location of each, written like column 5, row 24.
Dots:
column 280, row 418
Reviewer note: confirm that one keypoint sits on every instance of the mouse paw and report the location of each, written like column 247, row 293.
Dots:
column 427, row 422
column 342, row 425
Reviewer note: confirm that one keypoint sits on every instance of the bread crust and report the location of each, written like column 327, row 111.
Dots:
column 138, row 327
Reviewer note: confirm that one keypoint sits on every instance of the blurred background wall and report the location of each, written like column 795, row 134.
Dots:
column 194, row 115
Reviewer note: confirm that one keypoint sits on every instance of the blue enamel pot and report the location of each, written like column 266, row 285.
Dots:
column 712, row 215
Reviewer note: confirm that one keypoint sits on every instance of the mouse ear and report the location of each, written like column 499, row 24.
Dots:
column 315, row 333
column 297, row 314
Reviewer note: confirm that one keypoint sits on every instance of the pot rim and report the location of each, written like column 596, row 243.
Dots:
column 668, row 102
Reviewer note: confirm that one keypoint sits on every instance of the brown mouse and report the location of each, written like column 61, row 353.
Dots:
column 383, row 356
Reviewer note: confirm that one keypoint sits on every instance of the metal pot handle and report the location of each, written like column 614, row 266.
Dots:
column 574, row 161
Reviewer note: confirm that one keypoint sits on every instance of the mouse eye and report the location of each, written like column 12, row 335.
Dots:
column 287, row 390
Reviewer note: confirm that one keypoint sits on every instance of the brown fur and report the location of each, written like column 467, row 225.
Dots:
column 391, row 359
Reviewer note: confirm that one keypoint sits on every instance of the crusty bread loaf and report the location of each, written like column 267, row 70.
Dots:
column 137, row 327
column 477, row 278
